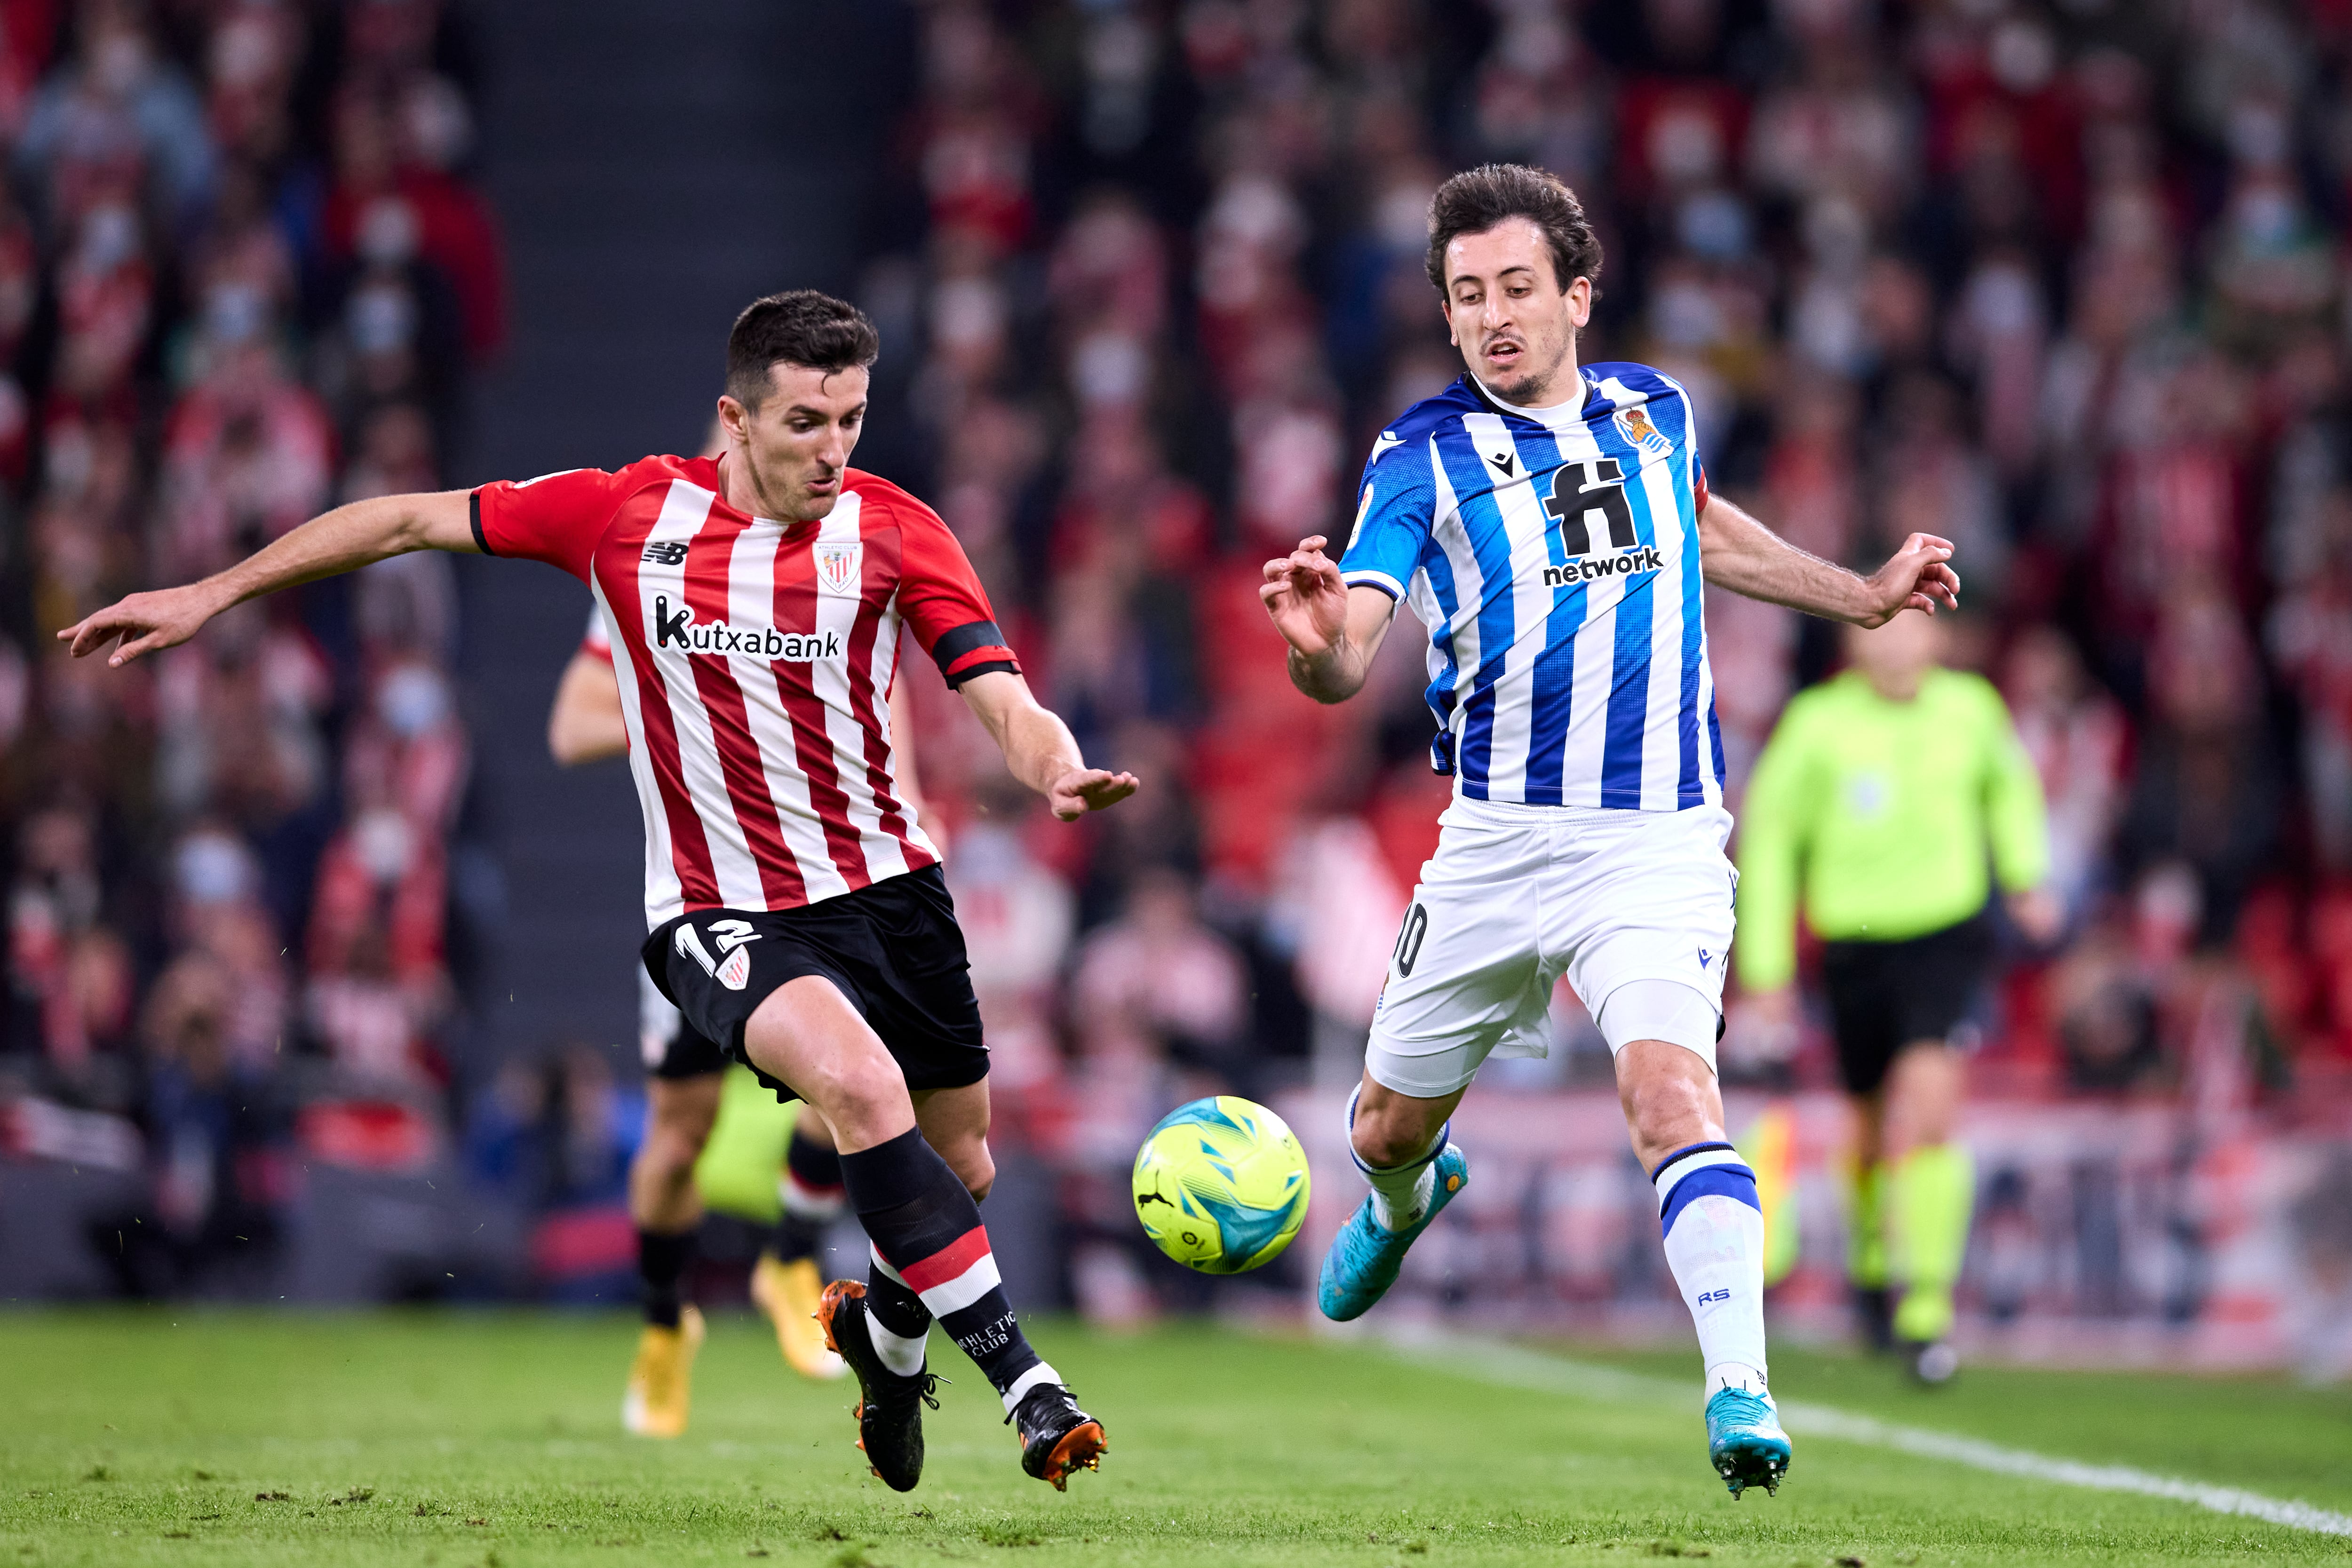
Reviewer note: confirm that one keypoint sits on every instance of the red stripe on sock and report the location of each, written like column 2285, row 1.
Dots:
column 948, row 1263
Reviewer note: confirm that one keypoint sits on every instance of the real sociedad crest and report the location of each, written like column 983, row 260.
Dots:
column 838, row 565
column 1635, row 425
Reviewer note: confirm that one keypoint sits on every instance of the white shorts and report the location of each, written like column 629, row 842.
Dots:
column 1517, row 896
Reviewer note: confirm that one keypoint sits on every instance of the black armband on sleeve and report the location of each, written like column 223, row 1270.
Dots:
column 961, row 640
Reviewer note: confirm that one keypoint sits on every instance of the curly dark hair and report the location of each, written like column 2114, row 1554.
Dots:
column 800, row 327
column 1475, row 200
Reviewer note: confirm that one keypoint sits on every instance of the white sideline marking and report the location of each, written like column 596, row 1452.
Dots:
column 1517, row 1368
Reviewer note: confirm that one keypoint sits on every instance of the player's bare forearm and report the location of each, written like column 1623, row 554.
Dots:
column 1039, row 749
column 586, row 724
column 1334, row 675
column 1738, row 553
column 344, row 540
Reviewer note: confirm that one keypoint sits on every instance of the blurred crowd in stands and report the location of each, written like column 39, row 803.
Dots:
column 243, row 276
column 2063, row 282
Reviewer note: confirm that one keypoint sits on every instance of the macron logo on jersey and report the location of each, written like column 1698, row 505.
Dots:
column 680, row 629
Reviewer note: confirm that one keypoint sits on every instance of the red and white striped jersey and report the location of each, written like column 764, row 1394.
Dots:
column 755, row 668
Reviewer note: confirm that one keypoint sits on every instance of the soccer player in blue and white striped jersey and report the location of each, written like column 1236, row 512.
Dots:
column 1550, row 524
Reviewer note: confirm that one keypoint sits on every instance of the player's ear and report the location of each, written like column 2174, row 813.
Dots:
column 733, row 417
column 1579, row 303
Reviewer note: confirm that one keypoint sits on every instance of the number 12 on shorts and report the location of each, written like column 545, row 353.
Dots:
column 1409, row 940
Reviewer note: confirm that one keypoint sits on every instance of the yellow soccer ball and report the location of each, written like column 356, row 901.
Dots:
column 1220, row 1184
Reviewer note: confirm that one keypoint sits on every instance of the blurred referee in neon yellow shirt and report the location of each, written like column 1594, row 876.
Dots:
column 1888, row 800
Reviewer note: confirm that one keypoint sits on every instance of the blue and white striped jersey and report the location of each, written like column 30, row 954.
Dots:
column 1553, row 556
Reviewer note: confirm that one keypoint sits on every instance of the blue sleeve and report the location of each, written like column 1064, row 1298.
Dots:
column 1394, row 511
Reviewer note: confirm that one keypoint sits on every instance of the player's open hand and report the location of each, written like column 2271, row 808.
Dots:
column 1304, row 595
column 1082, row 790
column 143, row 623
column 1917, row 577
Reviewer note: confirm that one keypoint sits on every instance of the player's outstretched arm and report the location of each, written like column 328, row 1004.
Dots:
column 1039, row 748
column 1738, row 552
column 586, row 724
column 344, row 540
column 1333, row 630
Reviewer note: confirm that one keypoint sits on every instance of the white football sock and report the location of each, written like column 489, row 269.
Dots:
column 1401, row 1194
column 1715, row 1244
column 899, row 1353
column 1401, row 1197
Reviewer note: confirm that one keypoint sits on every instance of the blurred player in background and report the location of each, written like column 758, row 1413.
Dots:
column 1552, row 528
column 799, row 916
column 685, row 1074
column 1883, row 796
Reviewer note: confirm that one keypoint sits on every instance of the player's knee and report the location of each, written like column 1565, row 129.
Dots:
column 667, row 1157
column 855, row 1093
column 681, row 1126
column 976, row 1167
column 1385, row 1138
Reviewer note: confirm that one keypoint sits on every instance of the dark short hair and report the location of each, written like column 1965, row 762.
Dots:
column 1475, row 200
column 799, row 327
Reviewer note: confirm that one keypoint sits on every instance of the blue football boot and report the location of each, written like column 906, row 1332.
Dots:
column 1366, row 1255
column 1744, row 1440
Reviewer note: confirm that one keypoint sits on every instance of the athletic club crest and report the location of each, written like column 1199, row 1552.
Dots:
column 838, row 565
column 735, row 969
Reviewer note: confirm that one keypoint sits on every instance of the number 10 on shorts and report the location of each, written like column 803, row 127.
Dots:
column 1409, row 940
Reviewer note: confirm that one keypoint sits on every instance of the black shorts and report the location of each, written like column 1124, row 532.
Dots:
column 673, row 1048
column 893, row 948
column 1885, row 995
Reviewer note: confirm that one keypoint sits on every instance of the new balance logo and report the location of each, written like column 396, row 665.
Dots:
column 1645, row 559
column 666, row 553
column 678, row 628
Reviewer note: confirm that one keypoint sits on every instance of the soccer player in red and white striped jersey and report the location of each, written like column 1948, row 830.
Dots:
column 798, row 914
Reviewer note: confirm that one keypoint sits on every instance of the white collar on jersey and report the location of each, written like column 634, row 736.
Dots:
column 1568, row 411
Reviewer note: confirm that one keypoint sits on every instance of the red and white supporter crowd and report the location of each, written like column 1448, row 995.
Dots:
column 243, row 275
column 2066, row 281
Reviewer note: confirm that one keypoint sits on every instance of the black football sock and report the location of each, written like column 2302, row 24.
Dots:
column 926, row 1229
column 662, row 1258
column 813, row 1197
column 892, row 1301
column 896, row 1318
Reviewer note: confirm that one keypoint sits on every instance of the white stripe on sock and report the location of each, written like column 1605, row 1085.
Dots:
column 883, row 1264
column 953, row 1295
column 1042, row 1373
column 899, row 1353
column 809, row 1203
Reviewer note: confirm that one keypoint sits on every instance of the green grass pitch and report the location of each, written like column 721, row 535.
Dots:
column 491, row 1440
